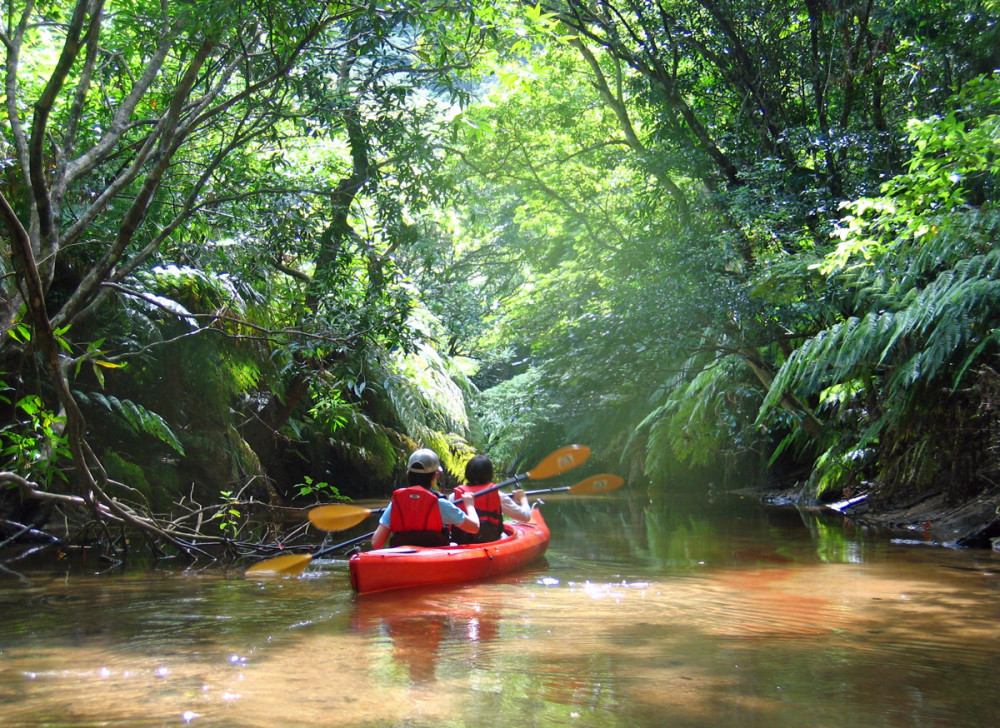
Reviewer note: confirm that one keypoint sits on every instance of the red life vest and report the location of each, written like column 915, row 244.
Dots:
column 415, row 518
column 490, row 515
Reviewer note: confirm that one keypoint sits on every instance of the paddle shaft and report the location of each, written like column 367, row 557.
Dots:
column 510, row 481
column 518, row 479
column 497, row 486
column 555, row 463
column 548, row 490
column 338, row 546
column 589, row 486
column 527, row 492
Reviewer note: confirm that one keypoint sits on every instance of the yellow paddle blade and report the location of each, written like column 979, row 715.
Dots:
column 597, row 484
column 286, row 565
column 563, row 459
column 338, row 517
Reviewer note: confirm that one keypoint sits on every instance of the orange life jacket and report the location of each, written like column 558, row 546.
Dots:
column 415, row 518
column 490, row 515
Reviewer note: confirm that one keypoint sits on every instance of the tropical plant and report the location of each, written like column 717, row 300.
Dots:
column 918, row 268
column 668, row 182
column 213, row 192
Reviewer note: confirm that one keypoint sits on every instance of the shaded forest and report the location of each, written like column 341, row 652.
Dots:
column 256, row 251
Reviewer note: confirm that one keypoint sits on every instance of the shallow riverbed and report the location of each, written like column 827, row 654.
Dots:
column 645, row 612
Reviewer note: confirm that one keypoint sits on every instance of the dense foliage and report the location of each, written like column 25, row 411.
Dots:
column 203, row 203
column 753, row 230
column 254, row 251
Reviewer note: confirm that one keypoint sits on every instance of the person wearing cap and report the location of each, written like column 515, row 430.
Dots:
column 493, row 507
column 418, row 515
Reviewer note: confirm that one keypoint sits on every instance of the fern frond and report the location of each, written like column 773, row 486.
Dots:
column 368, row 444
column 139, row 419
column 914, row 344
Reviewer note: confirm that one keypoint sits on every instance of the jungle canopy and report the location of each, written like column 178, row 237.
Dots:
column 256, row 251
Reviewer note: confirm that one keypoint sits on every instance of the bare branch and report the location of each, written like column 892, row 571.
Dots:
column 43, row 108
column 617, row 104
column 13, row 45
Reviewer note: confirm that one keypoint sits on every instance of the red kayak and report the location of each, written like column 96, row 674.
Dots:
column 409, row 566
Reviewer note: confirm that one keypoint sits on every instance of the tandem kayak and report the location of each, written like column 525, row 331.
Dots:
column 409, row 566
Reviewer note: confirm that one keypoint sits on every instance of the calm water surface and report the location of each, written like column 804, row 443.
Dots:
column 643, row 613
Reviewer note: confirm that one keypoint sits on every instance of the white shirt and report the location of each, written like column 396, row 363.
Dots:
column 512, row 509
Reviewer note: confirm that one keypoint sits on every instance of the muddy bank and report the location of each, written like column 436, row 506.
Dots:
column 931, row 519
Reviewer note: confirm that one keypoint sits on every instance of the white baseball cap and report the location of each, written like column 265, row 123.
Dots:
column 423, row 460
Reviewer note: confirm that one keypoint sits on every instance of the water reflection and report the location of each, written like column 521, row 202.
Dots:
column 684, row 532
column 420, row 627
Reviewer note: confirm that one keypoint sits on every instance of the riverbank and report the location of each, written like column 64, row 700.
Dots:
column 930, row 519
column 971, row 524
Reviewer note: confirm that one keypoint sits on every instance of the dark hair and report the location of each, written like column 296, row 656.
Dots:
column 479, row 470
column 424, row 479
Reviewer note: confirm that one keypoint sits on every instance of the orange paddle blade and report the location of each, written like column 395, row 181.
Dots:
column 338, row 517
column 597, row 484
column 558, row 462
column 285, row 565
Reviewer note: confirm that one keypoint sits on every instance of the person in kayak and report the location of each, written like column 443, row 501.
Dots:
column 492, row 507
column 418, row 515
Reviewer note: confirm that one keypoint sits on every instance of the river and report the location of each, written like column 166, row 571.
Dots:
column 672, row 611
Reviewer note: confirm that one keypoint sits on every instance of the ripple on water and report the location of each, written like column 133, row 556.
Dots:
column 603, row 646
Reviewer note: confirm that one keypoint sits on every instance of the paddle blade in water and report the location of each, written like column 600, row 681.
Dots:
column 338, row 517
column 563, row 459
column 286, row 565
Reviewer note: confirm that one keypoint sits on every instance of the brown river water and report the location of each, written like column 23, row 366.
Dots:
column 645, row 612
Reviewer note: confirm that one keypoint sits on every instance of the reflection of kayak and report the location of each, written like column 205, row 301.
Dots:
column 408, row 566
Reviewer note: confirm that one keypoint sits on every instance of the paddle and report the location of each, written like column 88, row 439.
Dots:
column 555, row 463
column 337, row 517
column 591, row 486
column 295, row 564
